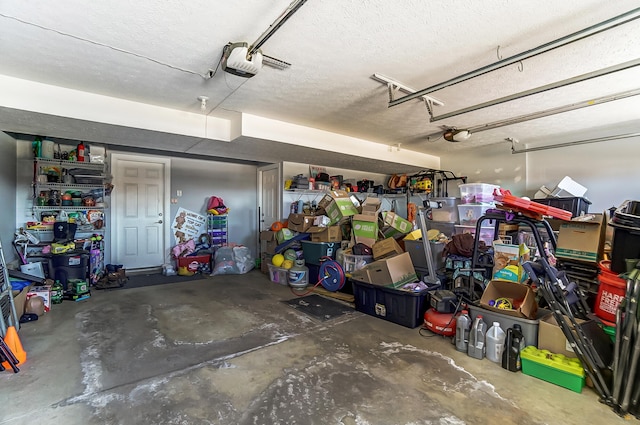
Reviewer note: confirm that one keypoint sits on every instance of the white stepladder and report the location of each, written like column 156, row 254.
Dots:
column 9, row 316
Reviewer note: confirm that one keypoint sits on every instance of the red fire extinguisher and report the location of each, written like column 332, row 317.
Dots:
column 80, row 152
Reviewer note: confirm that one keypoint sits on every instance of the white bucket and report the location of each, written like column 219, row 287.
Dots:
column 47, row 149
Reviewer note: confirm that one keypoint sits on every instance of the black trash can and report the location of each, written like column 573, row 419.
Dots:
column 70, row 265
column 63, row 231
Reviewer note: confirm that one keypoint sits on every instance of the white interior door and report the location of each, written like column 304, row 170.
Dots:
column 139, row 210
column 269, row 182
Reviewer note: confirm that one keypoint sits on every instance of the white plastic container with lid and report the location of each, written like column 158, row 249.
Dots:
column 470, row 213
column 472, row 193
column 495, row 342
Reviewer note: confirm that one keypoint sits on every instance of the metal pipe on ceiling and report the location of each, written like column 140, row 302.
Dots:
column 577, row 142
column 562, row 41
column 541, row 89
column 553, row 111
column 289, row 11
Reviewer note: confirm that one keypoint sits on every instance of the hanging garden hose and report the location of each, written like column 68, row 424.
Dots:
column 330, row 276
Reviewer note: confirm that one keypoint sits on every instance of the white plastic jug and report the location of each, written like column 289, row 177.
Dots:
column 495, row 342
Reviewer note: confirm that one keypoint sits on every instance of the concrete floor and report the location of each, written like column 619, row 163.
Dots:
column 225, row 350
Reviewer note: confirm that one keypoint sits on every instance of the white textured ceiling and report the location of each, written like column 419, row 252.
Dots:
column 155, row 53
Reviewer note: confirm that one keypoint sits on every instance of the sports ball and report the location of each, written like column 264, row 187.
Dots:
column 290, row 254
column 277, row 260
column 287, row 264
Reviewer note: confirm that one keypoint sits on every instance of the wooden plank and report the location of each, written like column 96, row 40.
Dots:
column 337, row 295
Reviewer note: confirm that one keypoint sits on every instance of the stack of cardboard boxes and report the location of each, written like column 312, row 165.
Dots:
column 341, row 217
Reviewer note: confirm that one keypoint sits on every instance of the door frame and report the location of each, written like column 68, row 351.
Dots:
column 278, row 167
column 166, row 161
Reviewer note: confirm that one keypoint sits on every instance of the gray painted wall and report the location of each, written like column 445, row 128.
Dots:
column 609, row 170
column 493, row 164
column 235, row 183
column 8, row 174
column 198, row 180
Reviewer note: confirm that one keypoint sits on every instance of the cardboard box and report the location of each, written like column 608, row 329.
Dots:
column 551, row 337
column 41, row 291
column 268, row 242
column 300, row 222
column 371, row 206
column 321, row 221
column 520, row 295
column 338, row 205
column 385, row 248
column 394, row 225
column 325, row 234
column 391, row 272
column 267, row 235
column 265, row 260
column 365, row 229
column 508, row 261
column 19, row 300
column 582, row 240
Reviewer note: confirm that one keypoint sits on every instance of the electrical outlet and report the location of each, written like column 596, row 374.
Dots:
column 178, row 193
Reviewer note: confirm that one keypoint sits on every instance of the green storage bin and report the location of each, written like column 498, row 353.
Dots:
column 555, row 368
column 314, row 251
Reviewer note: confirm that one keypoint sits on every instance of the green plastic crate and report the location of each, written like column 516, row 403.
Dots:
column 555, row 368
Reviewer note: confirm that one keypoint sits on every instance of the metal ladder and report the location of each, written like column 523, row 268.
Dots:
column 432, row 278
column 9, row 316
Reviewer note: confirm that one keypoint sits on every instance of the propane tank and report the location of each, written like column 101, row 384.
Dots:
column 299, row 275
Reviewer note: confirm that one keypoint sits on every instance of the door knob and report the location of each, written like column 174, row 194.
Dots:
column 159, row 221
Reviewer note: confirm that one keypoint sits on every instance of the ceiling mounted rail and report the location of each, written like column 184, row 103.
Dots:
column 394, row 86
column 289, row 11
column 589, row 31
column 554, row 111
column 577, row 142
column 541, row 89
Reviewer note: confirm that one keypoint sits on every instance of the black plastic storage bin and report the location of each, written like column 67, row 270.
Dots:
column 576, row 205
column 67, row 266
column 626, row 235
column 402, row 307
